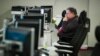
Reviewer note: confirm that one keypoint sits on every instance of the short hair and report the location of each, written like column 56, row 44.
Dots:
column 63, row 13
column 73, row 10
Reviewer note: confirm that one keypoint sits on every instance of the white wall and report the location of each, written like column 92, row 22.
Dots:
column 59, row 5
column 92, row 7
column 94, row 14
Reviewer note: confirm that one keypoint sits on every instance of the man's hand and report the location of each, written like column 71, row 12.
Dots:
column 59, row 29
column 65, row 19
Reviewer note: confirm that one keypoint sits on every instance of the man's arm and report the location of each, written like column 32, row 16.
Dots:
column 67, row 28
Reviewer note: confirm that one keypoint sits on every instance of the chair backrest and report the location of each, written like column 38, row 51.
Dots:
column 80, row 40
column 81, row 32
column 96, row 50
column 97, row 33
column 81, row 22
column 86, row 29
column 87, row 24
column 82, row 18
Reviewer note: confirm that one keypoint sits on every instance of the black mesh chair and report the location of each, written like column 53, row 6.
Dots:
column 72, row 48
column 97, row 33
column 96, row 50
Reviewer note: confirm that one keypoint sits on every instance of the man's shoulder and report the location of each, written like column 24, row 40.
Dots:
column 75, row 20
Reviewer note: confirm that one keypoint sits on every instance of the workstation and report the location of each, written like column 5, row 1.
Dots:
column 46, row 29
column 24, row 30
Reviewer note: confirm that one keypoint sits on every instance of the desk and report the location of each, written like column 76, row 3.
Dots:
column 46, row 41
column 47, row 38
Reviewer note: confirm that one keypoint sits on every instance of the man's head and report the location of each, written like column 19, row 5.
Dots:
column 71, row 13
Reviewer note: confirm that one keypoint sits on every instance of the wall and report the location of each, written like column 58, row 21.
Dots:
column 94, row 14
column 59, row 5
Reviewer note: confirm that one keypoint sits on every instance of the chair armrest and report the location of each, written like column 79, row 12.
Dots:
column 64, row 47
column 63, row 43
column 64, row 51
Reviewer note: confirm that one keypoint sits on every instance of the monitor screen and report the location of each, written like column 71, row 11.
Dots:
column 17, row 34
column 48, row 15
column 43, row 10
column 49, row 10
column 31, row 24
column 34, row 17
column 18, row 8
column 34, row 10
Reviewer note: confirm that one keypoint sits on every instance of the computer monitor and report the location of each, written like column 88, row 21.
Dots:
column 17, row 34
column 32, row 16
column 47, row 6
column 49, row 11
column 30, row 23
column 23, row 37
column 37, row 16
column 18, row 8
column 34, row 10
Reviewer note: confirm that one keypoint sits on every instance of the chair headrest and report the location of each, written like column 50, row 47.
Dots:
column 84, row 20
column 82, row 17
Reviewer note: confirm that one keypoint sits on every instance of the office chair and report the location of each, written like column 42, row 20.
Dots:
column 96, row 50
column 72, row 48
column 97, row 33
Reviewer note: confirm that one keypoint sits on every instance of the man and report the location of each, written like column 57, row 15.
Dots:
column 69, row 25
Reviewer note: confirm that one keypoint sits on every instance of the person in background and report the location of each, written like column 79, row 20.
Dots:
column 69, row 25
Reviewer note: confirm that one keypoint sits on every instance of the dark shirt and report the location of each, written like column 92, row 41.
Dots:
column 68, row 28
